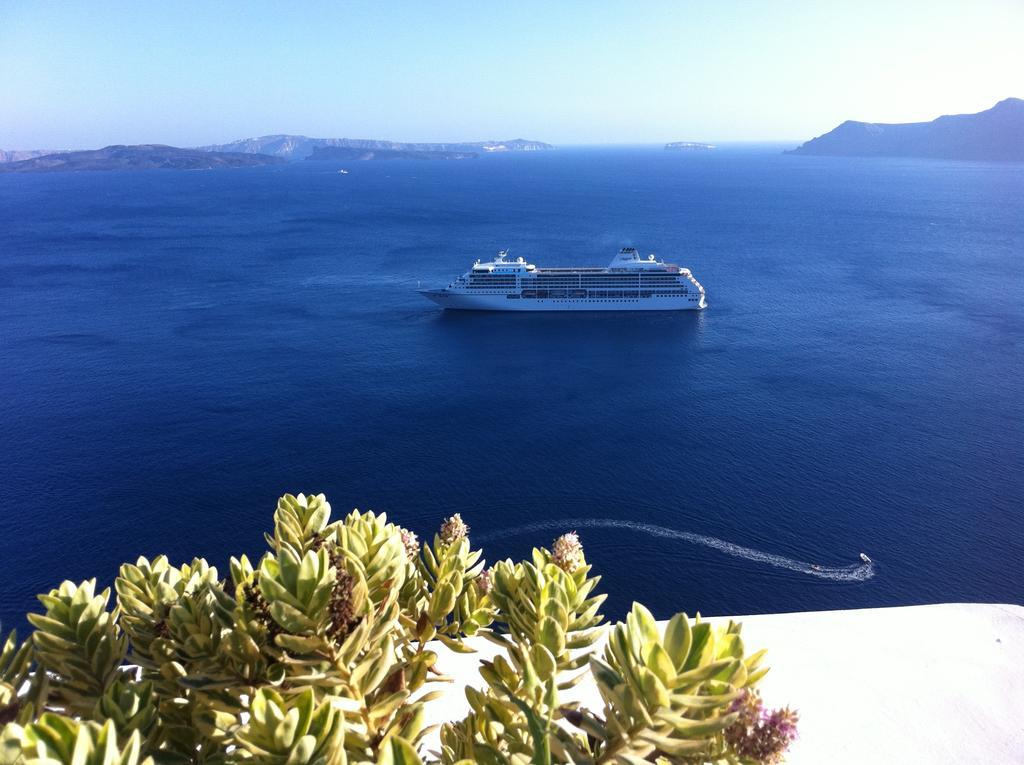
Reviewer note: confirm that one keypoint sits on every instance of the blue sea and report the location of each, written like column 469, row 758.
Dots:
column 177, row 349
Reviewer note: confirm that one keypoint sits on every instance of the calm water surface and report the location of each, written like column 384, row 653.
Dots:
column 179, row 348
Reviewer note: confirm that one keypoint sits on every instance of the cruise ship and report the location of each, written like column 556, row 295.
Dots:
column 630, row 283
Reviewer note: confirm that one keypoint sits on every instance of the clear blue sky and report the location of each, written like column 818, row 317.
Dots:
column 77, row 75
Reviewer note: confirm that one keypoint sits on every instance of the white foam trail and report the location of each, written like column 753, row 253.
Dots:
column 855, row 573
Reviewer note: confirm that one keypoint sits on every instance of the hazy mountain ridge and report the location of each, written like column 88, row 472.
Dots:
column 302, row 147
column 16, row 155
column 994, row 134
column 139, row 157
column 688, row 146
column 353, row 154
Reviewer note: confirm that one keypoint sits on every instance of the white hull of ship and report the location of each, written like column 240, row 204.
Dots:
column 499, row 302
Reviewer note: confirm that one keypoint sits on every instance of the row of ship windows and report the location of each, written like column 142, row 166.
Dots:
column 593, row 300
column 590, row 300
column 576, row 285
column 586, row 293
column 609, row 278
column 617, row 294
column 543, row 277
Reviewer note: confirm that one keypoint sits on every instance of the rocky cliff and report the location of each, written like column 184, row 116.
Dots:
column 994, row 134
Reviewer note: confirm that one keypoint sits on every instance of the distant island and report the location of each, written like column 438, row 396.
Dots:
column 141, row 157
column 688, row 146
column 302, row 147
column 249, row 152
column 994, row 134
column 349, row 153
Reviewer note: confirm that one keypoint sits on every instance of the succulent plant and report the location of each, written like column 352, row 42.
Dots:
column 54, row 739
column 20, row 688
column 451, row 604
column 299, row 523
column 513, row 719
column 79, row 644
column 320, row 652
column 374, row 546
column 147, row 591
column 290, row 731
column 329, row 619
column 130, row 705
column 541, row 603
column 667, row 695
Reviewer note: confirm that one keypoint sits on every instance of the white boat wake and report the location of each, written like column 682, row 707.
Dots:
column 858, row 572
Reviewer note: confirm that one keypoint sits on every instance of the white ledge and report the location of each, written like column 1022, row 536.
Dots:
column 919, row 684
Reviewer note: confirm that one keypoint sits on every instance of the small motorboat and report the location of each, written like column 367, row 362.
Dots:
column 865, row 558
column 343, row 172
column 815, row 567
